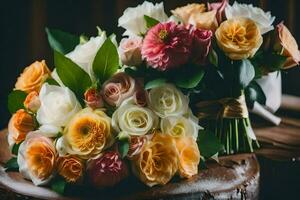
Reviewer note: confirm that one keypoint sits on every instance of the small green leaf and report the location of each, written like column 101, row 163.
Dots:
column 243, row 73
column 16, row 100
column 255, row 93
column 61, row 41
column 213, row 57
column 208, row 144
column 15, row 148
column 59, row 185
column 71, row 74
column 150, row 22
column 124, row 147
column 155, row 83
column 189, row 77
column 276, row 61
column 106, row 61
column 12, row 165
column 51, row 81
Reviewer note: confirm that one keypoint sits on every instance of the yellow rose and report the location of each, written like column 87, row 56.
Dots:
column 37, row 158
column 70, row 167
column 33, row 77
column 88, row 133
column 157, row 162
column 195, row 14
column 184, row 13
column 188, row 156
column 289, row 46
column 239, row 38
column 19, row 125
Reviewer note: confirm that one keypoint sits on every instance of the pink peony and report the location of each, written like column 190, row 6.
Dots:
column 93, row 98
column 167, row 45
column 201, row 45
column 107, row 170
column 220, row 8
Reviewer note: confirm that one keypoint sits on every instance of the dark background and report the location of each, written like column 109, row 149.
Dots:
column 23, row 40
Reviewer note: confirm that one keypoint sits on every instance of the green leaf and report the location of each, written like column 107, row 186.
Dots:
column 71, row 74
column 208, row 144
column 59, row 185
column 150, row 22
column 155, row 83
column 255, row 93
column 123, row 147
column 15, row 100
column 51, row 81
column 213, row 57
column 12, row 165
column 243, row 73
column 276, row 61
column 15, row 148
column 188, row 77
column 61, row 41
column 106, row 61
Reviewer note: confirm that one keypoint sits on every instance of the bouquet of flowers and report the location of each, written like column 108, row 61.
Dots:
column 107, row 108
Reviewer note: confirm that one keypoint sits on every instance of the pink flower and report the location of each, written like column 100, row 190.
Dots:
column 93, row 98
column 135, row 145
column 107, row 170
column 130, row 51
column 118, row 88
column 167, row 45
column 220, row 8
column 201, row 45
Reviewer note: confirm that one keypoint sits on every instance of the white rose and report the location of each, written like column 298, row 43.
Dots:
column 133, row 119
column 179, row 127
column 58, row 105
column 36, row 158
column 264, row 20
column 167, row 100
column 133, row 18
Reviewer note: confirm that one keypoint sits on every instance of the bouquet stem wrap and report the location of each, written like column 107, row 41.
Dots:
column 228, row 118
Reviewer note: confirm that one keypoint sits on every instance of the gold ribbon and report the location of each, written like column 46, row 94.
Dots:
column 223, row 108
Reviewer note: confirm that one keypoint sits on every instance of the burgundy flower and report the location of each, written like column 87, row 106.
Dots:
column 201, row 45
column 93, row 98
column 107, row 170
column 167, row 45
column 140, row 97
column 220, row 8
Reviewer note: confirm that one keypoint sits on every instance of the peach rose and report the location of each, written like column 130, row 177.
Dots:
column 33, row 77
column 157, row 162
column 37, row 158
column 32, row 101
column 130, row 51
column 88, row 133
column 239, row 38
column 70, row 167
column 118, row 88
column 188, row 156
column 289, row 46
column 195, row 14
column 19, row 125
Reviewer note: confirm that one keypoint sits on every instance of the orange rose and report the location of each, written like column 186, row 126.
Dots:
column 195, row 14
column 33, row 77
column 188, row 155
column 19, row 125
column 70, row 167
column 157, row 161
column 239, row 38
column 37, row 158
column 32, row 101
column 289, row 46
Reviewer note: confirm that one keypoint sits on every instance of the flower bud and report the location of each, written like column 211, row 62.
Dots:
column 93, row 98
column 32, row 101
column 106, row 170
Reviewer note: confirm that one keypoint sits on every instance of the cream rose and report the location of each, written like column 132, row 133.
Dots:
column 167, row 100
column 179, row 126
column 133, row 119
column 58, row 105
column 239, row 38
column 37, row 158
column 130, row 51
column 133, row 18
column 33, row 77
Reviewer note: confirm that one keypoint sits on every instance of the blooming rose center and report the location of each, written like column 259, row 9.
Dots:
column 237, row 34
column 178, row 129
